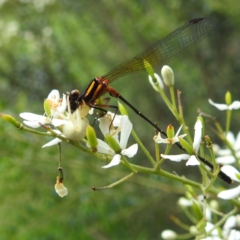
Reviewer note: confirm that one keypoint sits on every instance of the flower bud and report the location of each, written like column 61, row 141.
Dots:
column 186, row 146
column 190, row 189
column 214, row 205
column 92, row 138
column 208, row 141
column 113, row 144
column 168, row 75
column 122, row 109
column 201, row 224
column 197, row 209
column 10, row 119
column 170, row 131
column 148, row 67
column 168, row 234
column 228, row 98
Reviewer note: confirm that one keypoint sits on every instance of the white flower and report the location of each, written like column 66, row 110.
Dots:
column 214, row 233
column 235, row 105
column 124, row 129
column 70, row 125
column 192, row 160
column 225, row 155
column 228, row 228
column 56, row 104
column 159, row 139
column 74, row 127
column 234, row 192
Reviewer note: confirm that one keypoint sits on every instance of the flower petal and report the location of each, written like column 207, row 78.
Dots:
column 234, row 234
column 192, row 161
column 126, row 128
column 178, row 131
column 158, row 83
column 231, row 172
column 226, row 159
column 58, row 122
column 54, row 95
column 115, row 161
column 63, row 105
column 103, row 147
column 197, row 135
column 220, row 107
column 176, row 158
column 75, row 132
column 32, row 124
column 184, row 202
column 32, row 117
column 51, row 143
column 60, row 189
column 159, row 139
column 237, row 143
column 131, row 151
column 235, row 105
column 229, row 194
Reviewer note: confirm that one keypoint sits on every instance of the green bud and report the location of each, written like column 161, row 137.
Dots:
column 197, row 209
column 113, row 144
column 149, row 68
column 190, row 189
column 186, row 146
column 170, row 131
column 228, row 98
column 168, row 75
column 208, row 141
column 10, row 119
column 122, row 109
column 201, row 224
column 214, row 204
column 92, row 139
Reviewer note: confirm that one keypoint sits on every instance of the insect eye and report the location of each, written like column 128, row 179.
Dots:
column 74, row 94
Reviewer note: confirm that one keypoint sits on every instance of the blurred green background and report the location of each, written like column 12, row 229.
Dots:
column 62, row 45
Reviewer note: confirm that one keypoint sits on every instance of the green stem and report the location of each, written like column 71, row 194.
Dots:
column 115, row 183
column 146, row 152
column 228, row 121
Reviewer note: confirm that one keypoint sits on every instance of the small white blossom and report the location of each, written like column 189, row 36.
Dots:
column 225, row 155
column 234, row 192
column 70, row 125
column 124, row 129
column 235, row 105
column 192, row 160
column 228, row 228
column 159, row 139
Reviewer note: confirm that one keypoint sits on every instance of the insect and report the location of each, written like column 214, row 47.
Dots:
column 158, row 54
